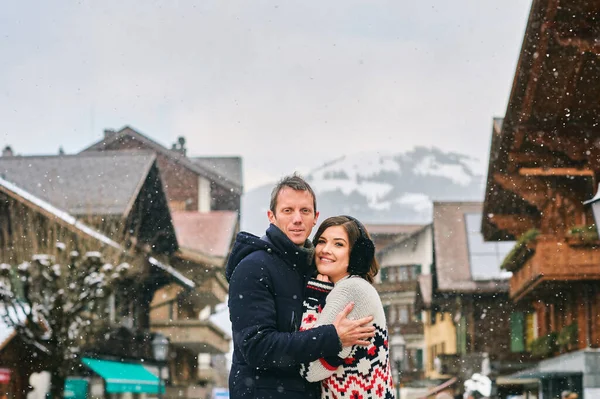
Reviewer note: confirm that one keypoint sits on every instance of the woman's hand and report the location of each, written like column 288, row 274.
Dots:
column 324, row 278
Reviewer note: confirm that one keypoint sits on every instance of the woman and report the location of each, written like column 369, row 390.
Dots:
column 345, row 254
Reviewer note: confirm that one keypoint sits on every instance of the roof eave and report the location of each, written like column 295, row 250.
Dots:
column 176, row 157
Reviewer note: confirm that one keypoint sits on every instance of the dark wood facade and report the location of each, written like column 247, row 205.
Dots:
column 544, row 163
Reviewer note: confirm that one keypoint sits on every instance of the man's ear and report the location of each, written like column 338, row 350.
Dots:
column 316, row 218
column 271, row 216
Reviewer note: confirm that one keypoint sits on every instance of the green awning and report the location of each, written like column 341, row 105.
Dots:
column 125, row 377
column 76, row 388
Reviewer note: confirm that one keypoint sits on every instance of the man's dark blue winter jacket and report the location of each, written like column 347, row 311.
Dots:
column 267, row 277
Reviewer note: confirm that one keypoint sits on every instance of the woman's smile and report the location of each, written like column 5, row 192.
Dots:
column 333, row 253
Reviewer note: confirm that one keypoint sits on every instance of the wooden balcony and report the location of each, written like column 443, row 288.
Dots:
column 212, row 291
column 201, row 336
column 554, row 265
column 397, row 286
column 412, row 328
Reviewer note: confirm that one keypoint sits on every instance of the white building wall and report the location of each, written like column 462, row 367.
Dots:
column 415, row 250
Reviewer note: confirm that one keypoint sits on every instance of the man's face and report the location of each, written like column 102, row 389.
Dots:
column 295, row 214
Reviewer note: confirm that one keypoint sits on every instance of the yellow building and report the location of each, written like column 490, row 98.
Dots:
column 439, row 331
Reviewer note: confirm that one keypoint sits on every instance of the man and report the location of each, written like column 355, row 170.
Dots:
column 267, row 277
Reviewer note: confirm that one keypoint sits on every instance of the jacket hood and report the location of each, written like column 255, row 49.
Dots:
column 245, row 244
column 274, row 241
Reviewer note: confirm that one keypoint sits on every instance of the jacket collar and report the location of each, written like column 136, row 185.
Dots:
column 300, row 257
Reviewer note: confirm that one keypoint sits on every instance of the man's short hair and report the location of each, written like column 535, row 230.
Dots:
column 295, row 182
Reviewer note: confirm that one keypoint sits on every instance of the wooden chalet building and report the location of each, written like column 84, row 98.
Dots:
column 544, row 163
column 203, row 195
column 204, row 241
column 468, row 312
column 120, row 193
column 31, row 226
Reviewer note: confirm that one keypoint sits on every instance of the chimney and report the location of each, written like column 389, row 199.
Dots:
column 7, row 151
column 179, row 146
column 108, row 133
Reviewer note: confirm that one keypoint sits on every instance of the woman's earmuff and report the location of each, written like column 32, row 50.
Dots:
column 363, row 251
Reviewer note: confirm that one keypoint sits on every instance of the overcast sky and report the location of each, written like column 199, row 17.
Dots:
column 287, row 84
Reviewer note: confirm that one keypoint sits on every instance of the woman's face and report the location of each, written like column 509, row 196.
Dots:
column 333, row 253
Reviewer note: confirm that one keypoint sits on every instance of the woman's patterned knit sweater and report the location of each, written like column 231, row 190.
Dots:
column 358, row 372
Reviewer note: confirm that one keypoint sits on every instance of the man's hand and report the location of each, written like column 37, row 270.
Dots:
column 353, row 332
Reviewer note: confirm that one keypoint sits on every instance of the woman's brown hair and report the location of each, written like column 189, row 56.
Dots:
column 353, row 235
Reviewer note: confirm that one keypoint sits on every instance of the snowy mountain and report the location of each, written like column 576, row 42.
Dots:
column 381, row 188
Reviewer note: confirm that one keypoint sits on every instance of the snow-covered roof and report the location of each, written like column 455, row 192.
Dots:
column 146, row 143
column 51, row 211
column 25, row 196
column 7, row 330
column 453, row 269
column 100, row 183
column 173, row 272
column 228, row 167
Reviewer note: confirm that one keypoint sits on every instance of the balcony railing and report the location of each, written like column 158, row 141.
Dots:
column 211, row 291
column 554, row 261
column 396, row 286
column 411, row 328
column 201, row 336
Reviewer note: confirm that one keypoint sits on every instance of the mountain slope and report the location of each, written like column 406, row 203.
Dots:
column 381, row 188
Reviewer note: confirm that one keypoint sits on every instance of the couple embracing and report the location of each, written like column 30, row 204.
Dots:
column 306, row 320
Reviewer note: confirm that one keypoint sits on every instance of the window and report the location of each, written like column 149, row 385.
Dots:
column 405, row 273
column 384, row 274
column 418, row 316
column 177, row 205
column 403, row 315
column 392, row 315
column 432, row 356
column 400, row 273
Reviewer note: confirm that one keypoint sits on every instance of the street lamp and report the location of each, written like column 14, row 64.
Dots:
column 160, row 349
column 399, row 345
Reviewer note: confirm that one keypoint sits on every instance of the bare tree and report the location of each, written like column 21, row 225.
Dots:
column 56, row 303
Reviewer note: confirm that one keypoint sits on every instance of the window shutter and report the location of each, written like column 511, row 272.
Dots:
column 419, row 360
column 517, row 327
column 461, row 332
